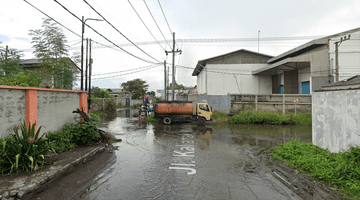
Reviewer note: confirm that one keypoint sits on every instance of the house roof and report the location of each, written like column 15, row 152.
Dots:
column 309, row 46
column 202, row 63
column 350, row 83
column 113, row 90
column 33, row 63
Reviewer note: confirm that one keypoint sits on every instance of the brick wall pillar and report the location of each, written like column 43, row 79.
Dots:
column 31, row 107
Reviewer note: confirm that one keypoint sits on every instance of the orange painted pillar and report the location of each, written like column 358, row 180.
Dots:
column 83, row 102
column 31, row 107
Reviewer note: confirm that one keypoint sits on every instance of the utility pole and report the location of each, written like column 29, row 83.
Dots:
column 82, row 48
column 82, row 54
column 173, row 65
column 165, row 80
column 86, row 64
column 337, row 45
column 90, row 69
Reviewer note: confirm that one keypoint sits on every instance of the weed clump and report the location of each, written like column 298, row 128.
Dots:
column 340, row 169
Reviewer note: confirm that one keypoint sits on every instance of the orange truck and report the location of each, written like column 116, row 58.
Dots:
column 182, row 111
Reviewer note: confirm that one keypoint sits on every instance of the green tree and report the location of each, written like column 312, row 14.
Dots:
column 9, row 62
column 151, row 93
column 99, row 93
column 177, row 86
column 25, row 78
column 50, row 48
column 137, row 87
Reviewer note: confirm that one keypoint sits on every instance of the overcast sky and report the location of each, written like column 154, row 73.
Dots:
column 189, row 19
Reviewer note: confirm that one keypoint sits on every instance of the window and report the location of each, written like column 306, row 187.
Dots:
column 203, row 107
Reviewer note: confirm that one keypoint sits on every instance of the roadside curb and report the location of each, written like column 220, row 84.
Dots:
column 33, row 182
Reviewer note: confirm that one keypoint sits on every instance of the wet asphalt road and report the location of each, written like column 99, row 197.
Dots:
column 180, row 161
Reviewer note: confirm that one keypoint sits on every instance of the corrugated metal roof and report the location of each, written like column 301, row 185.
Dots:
column 201, row 63
column 310, row 45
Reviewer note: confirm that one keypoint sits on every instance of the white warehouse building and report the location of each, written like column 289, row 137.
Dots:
column 301, row 70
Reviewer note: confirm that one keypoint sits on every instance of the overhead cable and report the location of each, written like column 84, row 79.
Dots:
column 53, row 19
column 127, row 73
column 145, row 25
column 119, row 31
column 103, row 35
column 101, row 74
column 62, row 25
column 166, row 19
column 157, row 24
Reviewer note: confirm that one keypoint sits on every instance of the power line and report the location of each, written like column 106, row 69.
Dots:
column 128, row 73
column 228, row 40
column 119, row 31
column 102, row 35
column 100, row 74
column 53, row 19
column 145, row 25
column 156, row 24
column 62, row 26
column 166, row 20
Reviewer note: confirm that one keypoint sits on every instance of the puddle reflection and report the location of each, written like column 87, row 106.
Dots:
column 266, row 136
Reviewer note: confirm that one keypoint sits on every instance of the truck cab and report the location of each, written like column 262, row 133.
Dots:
column 203, row 111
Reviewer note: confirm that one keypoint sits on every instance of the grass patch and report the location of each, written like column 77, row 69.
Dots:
column 262, row 117
column 339, row 169
column 120, row 105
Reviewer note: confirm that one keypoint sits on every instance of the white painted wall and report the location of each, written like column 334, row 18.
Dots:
column 221, row 79
column 349, row 56
column 336, row 119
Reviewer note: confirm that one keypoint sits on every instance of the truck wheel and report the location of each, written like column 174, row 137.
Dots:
column 167, row 120
column 201, row 121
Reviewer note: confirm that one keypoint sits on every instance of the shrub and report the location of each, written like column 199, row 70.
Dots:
column 61, row 140
column 82, row 132
column 220, row 116
column 110, row 106
column 151, row 118
column 23, row 151
column 120, row 105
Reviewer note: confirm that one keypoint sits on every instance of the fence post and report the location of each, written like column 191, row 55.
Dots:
column 103, row 104
column 83, row 102
column 256, row 102
column 283, row 103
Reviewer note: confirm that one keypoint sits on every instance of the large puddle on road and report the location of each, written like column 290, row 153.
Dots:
column 263, row 135
column 186, row 161
column 266, row 136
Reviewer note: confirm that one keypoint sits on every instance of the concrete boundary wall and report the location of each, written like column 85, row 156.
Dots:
column 49, row 108
column 218, row 103
column 336, row 119
column 99, row 104
column 280, row 103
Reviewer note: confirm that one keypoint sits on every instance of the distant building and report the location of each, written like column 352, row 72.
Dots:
column 301, row 70
column 232, row 73
column 117, row 92
column 180, row 95
column 35, row 65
